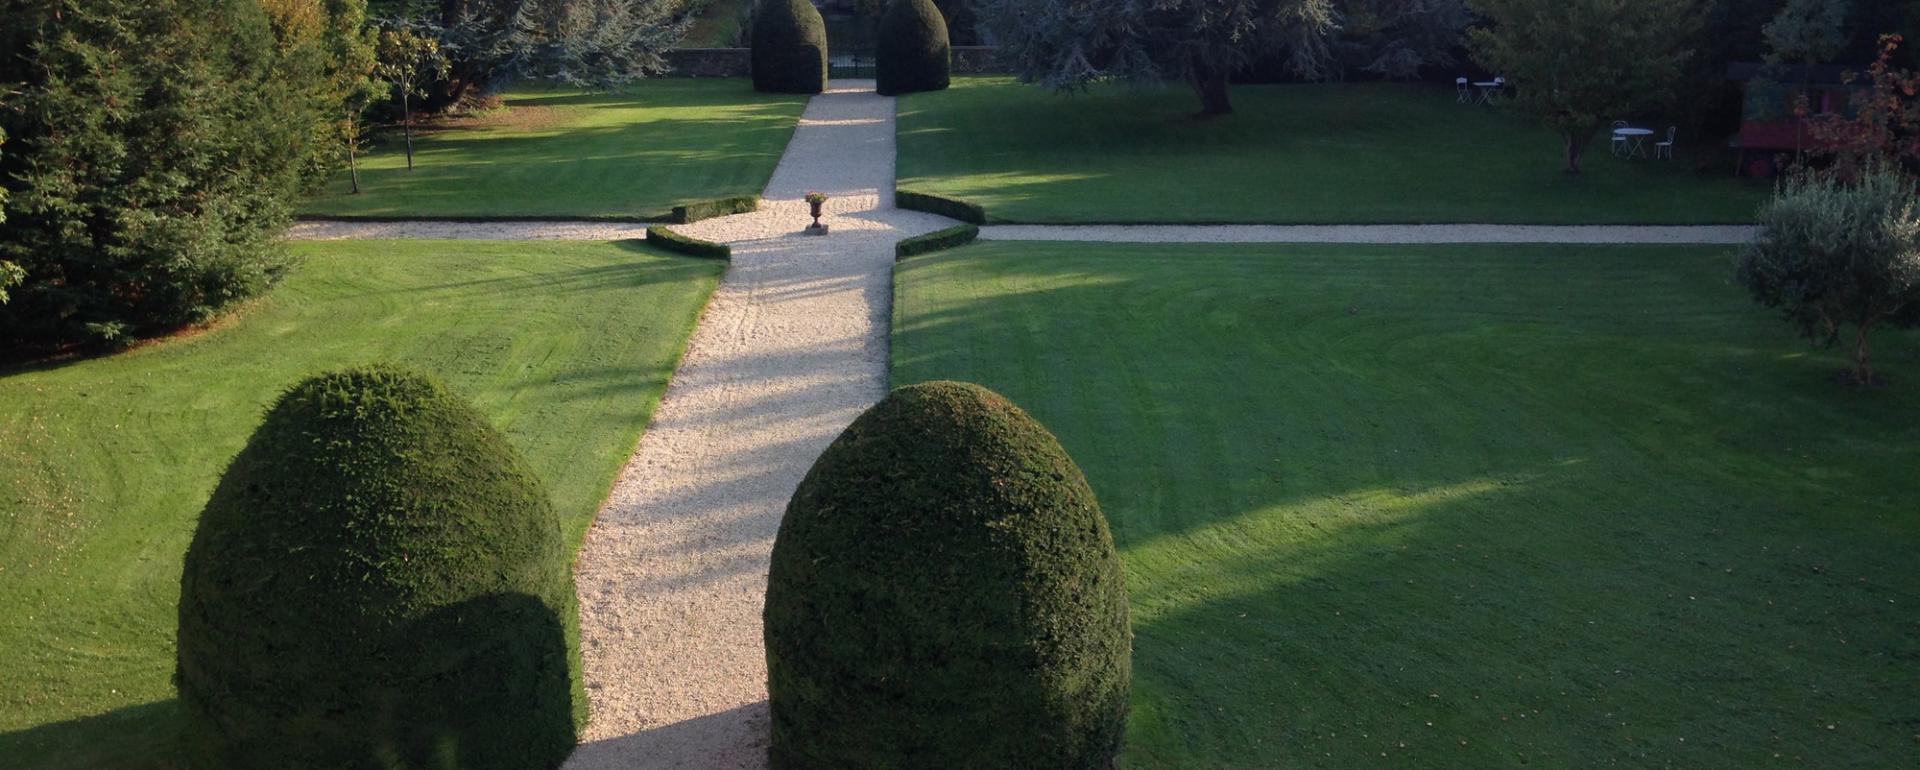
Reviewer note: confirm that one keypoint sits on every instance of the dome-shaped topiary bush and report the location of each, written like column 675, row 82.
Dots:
column 789, row 42
column 379, row 581
column 944, row 594
column 913, row 53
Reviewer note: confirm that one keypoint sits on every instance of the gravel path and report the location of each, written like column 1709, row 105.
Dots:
column 1708, row 234
column 791, row 349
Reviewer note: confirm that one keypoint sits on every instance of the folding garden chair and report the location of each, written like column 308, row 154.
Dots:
column 1665, row 149
column 1619, row 142
column 1466, row 92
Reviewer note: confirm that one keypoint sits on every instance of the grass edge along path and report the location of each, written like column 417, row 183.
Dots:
column 1463, row 506
column 567, row 347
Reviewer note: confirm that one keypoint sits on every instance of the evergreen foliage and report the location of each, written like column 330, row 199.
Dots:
column 154, row 151
column 594, row 43
column 944, row 593
column 789, row 42
column 914, row 53
column 378, row 581
column 1068, row 43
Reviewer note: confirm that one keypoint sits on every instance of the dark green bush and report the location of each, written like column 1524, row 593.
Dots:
column 789, row 43
column 154, row 154
column 378, row 581
column 947, row 207
column 719, row 207
column 692, row 247
column 944, row 594
column 941, row 240
column 913, row 53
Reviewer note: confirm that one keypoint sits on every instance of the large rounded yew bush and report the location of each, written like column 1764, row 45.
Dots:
column 944, row 594
column 378, row 581
column 913, row 52
column 789, row 42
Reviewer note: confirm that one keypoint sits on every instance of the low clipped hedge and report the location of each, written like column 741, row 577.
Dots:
column 378, row 581
column 950, row 208
column 789, row 42
column 944, row 593
column 941, row 240
column 913, row 53
column 718, row 207
column 688, row 245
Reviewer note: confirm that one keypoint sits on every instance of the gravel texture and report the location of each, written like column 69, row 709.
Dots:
column 1692, row 234
column 793, row 347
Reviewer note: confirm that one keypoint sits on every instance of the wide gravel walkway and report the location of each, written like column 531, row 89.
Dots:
column 791, row 349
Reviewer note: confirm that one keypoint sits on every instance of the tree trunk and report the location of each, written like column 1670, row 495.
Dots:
column 1576, row 145
column 353, row 138
column 406, row 126
column 1862, row 357
column 1211, row 86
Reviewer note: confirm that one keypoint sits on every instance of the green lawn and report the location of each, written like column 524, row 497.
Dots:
column 1310, row 154
column 1465, row 507
column 584, row 155
column 105, row 464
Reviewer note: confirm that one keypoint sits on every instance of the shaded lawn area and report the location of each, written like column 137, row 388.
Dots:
column 1292, row 154
column 105, row 464
column 1465, row 506
column 631, row 155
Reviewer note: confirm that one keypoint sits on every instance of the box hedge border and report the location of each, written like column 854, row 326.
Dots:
column 941, row 240
column 950, row 208
column 682, row 244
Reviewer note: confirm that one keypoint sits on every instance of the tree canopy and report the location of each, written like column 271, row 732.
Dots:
column 1069, row 43
column 1577, row 63
column 1833, row 255
column 595, row 43
column 154, row 152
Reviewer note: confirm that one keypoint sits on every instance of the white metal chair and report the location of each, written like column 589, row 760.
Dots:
column 1665, row 149
column 1466, row 93
column 1619, row 142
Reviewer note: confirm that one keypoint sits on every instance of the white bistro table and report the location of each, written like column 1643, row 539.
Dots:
column 1489, row 89
column 1636, row 139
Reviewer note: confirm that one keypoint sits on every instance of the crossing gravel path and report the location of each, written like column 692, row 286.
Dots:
column 792, row 347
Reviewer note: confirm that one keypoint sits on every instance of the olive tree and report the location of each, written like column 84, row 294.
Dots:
column 1578, row 63
column 1839, row 258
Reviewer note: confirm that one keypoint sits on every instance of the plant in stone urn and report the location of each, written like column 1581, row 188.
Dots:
column 815, row 200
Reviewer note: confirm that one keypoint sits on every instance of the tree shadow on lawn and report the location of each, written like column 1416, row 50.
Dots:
column 513, row 695
column 1536, row 520
column 662, row 267
column 1298, row 154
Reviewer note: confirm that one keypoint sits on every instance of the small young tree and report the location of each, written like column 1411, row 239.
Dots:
column 1577, row 63
column 1069, row 43
column 410, row 62
column 1835, row 255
